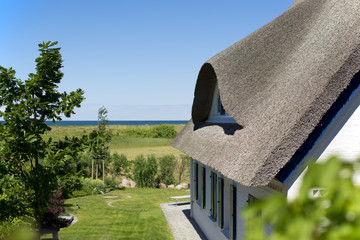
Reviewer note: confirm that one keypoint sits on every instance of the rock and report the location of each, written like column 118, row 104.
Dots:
column 162, row 185
column 171, row 186
column 125, row 183
column 132, row 184
column 184, row 185
column 178, row 186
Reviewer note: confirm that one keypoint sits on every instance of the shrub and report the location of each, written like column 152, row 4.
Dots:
column 144, row 171
column 181, row 165
column 335, row 214
column 163, row 131
column 159, row 131
column 51, row 216
column 120, row 164
column 111, row 182
column 17, row 228
column 167, row 166
column 88, row 187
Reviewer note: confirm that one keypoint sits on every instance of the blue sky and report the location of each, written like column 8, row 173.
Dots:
column 138, row 58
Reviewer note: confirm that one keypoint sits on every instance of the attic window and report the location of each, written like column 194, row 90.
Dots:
column 220, row 108
column 218, row 113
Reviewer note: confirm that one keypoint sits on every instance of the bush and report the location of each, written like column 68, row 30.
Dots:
column 120, row 164
column 167, row 166
column 88, row 187
column 17, row 228
column 163, row 131
column 51, row 216
column 111, row 182
column 335, row 214
column 182, row 165
column 159, row 131
column 144, row 171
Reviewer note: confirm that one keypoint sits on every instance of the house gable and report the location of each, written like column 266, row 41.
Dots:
column 279, row 83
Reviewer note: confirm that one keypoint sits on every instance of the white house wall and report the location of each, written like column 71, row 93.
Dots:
column 203, row 216
column 341, row 139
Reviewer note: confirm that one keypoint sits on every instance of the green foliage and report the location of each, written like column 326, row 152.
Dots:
column 120, row 165
column 92, row 186
column 111, row 182
column 182, row 165
column 16, row 229
column 99, row 140
column 29, row 163
column 145, row 170
column 334, row 215
column 159, row 131
column 163, row 131
column 167, row 167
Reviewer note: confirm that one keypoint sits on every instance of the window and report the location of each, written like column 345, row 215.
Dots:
column 217, row 113
column 257, row 221
column 196, row 181
column 203, row 190
column 221, row 202
column 251, row 199
column 232, row 222
column 220, row 108
column 213, row 209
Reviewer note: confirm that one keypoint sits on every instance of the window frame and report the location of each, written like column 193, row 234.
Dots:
column 213, row 193
column 233, row 210
column 203, row 192
column 221, row 202
column 196, row 181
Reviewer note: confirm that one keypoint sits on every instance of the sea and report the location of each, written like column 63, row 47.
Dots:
column 95, row 122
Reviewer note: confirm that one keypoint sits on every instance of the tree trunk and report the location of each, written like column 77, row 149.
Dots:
column 97, row 167
column 92, row 168
column 103, row 172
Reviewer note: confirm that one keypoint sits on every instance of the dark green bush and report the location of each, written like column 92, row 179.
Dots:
column 111, row 182
column 144, row 171
column 167, row 167
column 163, row 131
column 159, row 131
column 120, row 165
column 88, row 187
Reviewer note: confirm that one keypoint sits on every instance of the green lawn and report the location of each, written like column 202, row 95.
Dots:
column 136, row 214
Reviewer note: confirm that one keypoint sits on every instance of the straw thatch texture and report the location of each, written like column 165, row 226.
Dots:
column 277, row 83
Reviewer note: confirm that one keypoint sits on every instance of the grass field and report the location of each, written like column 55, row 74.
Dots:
column 130, row 146
column 133, row 214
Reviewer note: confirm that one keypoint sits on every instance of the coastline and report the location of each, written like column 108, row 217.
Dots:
column 117, row 122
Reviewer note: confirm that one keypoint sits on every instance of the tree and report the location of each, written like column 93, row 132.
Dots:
column 99, row 143
column 32, row 168
column 333, row 213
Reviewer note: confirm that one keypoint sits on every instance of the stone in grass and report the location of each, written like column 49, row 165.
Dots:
column 132, row 184
column 178, row 187
column 125, row 183
column 184, row 185
column 162, row 185
column 171, row 186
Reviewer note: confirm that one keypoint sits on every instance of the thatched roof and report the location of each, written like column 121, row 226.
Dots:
column 282, row 84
